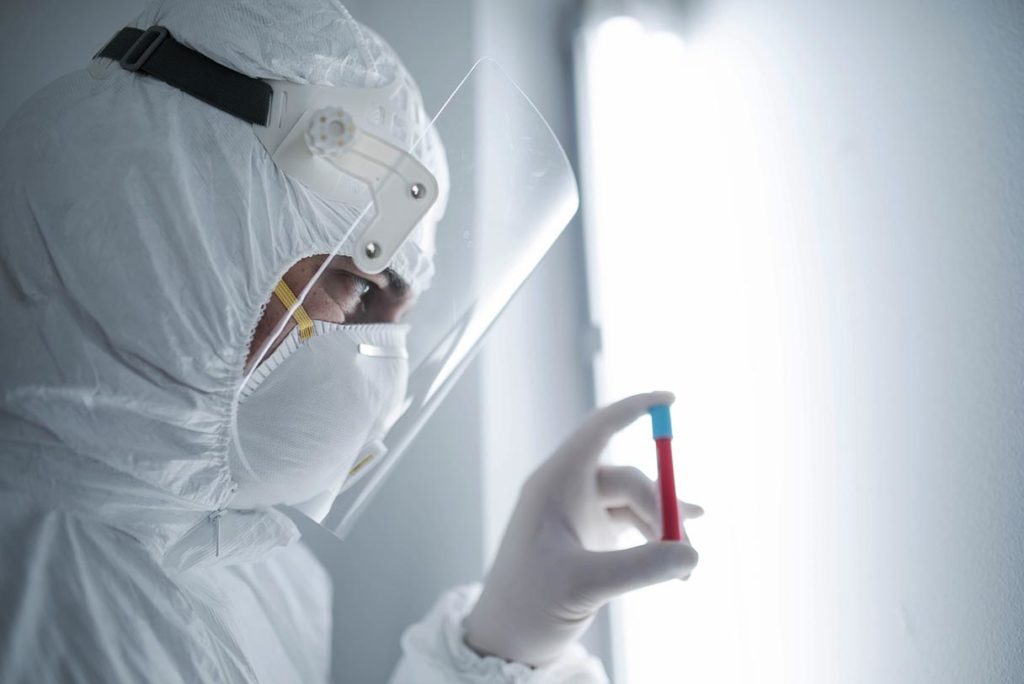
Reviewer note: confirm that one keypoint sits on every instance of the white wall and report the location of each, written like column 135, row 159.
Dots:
column 913, row 127
column 538, row 380
column 530, row 382
column 533, row 377
column 43, row 39
column 906, row 123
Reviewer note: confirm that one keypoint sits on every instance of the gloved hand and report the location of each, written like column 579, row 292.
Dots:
column 553, row 570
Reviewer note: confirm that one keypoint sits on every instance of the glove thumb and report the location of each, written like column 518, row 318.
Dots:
column 612, row 573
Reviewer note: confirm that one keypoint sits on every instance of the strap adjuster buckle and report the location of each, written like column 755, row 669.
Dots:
column 143, row 48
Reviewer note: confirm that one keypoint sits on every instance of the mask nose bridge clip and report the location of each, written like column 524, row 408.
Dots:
column 377, row 351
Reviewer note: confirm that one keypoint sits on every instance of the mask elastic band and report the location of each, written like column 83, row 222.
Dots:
column 302, row 319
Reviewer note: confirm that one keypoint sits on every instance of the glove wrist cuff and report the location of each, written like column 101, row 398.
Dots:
column 440, row 638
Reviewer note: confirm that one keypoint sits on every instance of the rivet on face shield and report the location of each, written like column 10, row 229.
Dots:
column 372, row 249
column 417, row 190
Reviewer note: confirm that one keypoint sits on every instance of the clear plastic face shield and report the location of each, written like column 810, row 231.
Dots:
column 510, row 194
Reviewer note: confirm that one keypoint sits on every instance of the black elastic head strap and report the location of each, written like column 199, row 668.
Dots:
column 155, row 52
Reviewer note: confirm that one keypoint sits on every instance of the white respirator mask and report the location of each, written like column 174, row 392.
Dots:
column 313, row 414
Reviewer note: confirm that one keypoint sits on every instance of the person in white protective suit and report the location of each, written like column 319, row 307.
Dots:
column 149, row 245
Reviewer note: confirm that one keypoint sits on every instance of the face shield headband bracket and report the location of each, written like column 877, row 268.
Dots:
column 322, row 137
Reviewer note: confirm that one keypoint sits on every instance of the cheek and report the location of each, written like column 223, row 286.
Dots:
column 388, row 311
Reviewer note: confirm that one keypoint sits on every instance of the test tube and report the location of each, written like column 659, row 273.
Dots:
column 661, row 424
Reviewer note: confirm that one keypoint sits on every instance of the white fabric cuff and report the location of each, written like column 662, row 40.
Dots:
column 434, row 650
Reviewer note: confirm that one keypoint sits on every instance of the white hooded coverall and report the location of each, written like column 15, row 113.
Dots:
column 143, row 231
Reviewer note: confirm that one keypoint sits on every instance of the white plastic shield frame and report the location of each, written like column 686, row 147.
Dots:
column 343, row 143
column 512, row 192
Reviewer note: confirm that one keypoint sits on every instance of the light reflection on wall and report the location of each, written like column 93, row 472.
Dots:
column 698, row 293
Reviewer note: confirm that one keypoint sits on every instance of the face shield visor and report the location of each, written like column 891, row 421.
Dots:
column 505, row 196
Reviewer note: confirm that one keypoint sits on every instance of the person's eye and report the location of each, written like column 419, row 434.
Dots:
column 363, row 287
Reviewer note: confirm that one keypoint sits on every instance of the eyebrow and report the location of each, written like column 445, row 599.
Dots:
column 396, row 282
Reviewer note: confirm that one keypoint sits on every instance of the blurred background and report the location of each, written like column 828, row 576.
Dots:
column 806, row 218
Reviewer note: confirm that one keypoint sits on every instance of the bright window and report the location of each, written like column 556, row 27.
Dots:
column 694, row 290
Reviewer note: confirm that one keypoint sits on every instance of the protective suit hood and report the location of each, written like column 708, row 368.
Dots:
column 143, row 234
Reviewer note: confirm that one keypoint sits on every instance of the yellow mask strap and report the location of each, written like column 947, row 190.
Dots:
column 288, row 299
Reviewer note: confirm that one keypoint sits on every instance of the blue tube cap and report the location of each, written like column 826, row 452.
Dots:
column 661, row 421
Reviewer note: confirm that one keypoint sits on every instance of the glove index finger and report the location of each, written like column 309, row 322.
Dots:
column 590, row 439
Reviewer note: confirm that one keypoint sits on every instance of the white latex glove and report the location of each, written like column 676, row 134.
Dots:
column 553, row 570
